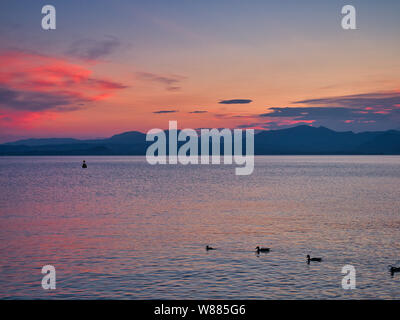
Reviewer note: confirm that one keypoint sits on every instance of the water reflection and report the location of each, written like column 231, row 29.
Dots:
column 125, row 229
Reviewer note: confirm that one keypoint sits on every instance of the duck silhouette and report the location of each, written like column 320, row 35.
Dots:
column 84, row 165
column 313, row 259
column 209, row 248
column 258, row 249
column 393, row 270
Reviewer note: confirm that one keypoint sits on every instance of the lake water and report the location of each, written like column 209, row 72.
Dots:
column 125, row 229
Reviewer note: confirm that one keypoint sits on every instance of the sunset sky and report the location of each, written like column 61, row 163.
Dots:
column 115, row 66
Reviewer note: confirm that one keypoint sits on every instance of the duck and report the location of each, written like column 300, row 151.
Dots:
column 209, row 248
column 394, row 269
column 313, row 259
column 84, row 165
column 258, row 249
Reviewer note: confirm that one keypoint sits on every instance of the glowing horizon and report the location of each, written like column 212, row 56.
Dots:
column 111, row 68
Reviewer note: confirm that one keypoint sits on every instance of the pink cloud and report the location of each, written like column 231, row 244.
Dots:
column 38, row 73
column 33, row 84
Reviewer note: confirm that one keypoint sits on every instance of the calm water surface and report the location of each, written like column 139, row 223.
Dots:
column 124, row 229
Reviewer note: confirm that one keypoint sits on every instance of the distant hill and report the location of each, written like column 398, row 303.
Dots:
column 300, row 140
column 42, row 142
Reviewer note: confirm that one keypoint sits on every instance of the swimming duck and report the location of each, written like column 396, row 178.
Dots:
column 209, row 248
column 394, row 269
column 258, row 249
column 313, row 259
column 84, row 165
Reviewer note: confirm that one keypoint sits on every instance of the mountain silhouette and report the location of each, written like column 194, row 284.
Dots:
column 300, row 140
column 310, row 140
column 42, row 142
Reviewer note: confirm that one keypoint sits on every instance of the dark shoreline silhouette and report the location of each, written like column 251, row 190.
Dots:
column 300, row 140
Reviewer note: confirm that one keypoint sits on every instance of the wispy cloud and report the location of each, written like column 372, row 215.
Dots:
column 375, row 100
column 198, row 111
column 165, row 111
column 236, row 101
column 37, row 101
column 90, row 49
column 170, row 82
